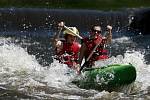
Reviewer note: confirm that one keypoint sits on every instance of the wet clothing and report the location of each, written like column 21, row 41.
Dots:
column 69, row 53
column 100, row 53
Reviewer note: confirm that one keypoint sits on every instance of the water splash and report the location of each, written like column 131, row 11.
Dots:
column 59, row 75
column 136, row 58
column 17, row 68
column 21, row 71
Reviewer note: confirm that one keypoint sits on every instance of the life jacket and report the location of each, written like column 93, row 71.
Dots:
column 100, row 53
column 69, row 53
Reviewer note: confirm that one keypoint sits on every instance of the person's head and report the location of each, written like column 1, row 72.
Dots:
column 95, row 30
column 69, row 36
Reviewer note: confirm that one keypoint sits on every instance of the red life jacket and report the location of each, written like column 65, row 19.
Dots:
column 69, row 53
column 100, row 53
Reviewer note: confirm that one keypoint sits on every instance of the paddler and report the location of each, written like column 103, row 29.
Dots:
column 95, row 40
column 67, row 50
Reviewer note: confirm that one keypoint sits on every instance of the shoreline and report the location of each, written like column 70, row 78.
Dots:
column 104, row 5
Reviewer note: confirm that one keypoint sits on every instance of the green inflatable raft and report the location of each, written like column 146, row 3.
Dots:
column 107, row 78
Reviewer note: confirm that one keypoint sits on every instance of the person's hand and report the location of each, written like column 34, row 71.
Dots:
column 61, row 24
column 104, row 40
column 58, row 43
column 109, row 27
column 77, row 68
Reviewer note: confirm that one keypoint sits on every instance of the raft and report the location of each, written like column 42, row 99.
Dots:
column 107, row 77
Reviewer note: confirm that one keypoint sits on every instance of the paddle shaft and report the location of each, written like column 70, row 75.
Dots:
column 58, row 33
column 73, row 32
column 56, row 37
column 89, row 56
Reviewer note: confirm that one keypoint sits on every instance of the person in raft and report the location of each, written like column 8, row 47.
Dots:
column 89, row 43
column 67, row 50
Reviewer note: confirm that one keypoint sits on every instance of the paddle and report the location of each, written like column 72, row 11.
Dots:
column 60, row 27
column 56, row 37
column 89, row 57
column 73, row 32
column 108, row 27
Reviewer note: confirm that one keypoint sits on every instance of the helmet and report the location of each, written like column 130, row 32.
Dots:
column 74, row 29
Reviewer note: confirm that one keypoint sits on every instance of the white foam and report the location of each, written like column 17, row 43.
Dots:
column 17, row 67
column 136, row 58
column 122, row 39
column 59, row 75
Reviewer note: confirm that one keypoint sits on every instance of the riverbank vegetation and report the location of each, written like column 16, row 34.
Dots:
column 76, row 4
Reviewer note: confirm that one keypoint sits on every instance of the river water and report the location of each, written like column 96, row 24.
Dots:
column 28, row 70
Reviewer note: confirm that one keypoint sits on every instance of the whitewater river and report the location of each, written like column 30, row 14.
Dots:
column 28, row 70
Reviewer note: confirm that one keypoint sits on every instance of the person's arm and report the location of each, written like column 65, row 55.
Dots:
column 109, row 35
column 56, row 41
